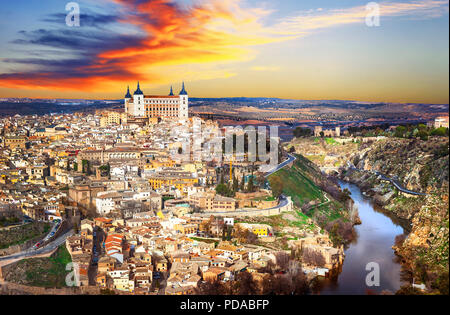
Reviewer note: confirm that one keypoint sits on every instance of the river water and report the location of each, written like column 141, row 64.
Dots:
column 375, row 237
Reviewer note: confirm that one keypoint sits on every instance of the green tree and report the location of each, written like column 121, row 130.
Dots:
column 400, row 131
column 423, row 134
column 421, row 127
column 251, row 185
column 277, row 186
column 440, row 132
column 86, row 167
column 302, row 132
column 243, row 183
column 223, row 190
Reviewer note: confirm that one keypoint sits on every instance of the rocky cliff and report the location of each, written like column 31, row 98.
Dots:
column 419, row 166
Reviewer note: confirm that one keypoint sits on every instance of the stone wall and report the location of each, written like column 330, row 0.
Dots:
column 18, row 248
column 18, row 289
column 252, row 212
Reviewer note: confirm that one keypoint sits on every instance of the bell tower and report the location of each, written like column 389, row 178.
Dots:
column 184, row 104
column 138, row 100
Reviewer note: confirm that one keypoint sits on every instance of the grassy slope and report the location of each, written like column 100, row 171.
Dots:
column 298, row 183
column 21, row 234
column 42, row 272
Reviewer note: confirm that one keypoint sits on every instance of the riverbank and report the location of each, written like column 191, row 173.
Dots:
column 423, row 249
column 373, row 244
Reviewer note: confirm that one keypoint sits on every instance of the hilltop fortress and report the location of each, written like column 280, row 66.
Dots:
column 157, row 106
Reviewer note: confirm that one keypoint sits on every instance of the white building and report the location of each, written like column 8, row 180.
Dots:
column 105, row 202
column 157, row 106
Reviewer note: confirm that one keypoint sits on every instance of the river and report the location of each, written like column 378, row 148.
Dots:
column 375, row 237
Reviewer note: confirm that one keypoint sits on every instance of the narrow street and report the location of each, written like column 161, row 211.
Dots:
column 99, row 237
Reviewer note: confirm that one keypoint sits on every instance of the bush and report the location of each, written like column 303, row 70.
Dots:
column 440, row 132
column 302, row 132
column 400, row 131
column 423, row 135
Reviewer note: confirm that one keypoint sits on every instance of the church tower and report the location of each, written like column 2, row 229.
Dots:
column 138, row 100
column 127, row 100
column 184, row 104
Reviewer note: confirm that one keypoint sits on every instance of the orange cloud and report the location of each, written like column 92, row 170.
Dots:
column 207, row 35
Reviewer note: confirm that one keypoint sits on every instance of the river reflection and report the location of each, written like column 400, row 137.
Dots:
column 375, row 237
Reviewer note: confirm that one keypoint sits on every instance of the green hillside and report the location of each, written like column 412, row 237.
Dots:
column 302, row 183
column 298, row 183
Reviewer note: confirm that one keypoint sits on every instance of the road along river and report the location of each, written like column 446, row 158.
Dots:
column 373, row 244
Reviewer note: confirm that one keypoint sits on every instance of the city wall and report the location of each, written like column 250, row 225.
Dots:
column 251, row 212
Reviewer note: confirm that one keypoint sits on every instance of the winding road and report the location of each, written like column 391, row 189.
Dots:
column 41, row 251
column 392, row 181
column 290, row 159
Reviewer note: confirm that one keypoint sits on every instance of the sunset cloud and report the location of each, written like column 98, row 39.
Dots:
column 169, row 39
column 307, row 22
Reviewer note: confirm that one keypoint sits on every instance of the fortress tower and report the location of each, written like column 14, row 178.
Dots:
column 157, row 106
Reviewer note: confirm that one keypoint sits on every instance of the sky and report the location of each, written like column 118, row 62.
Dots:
column 294, row 49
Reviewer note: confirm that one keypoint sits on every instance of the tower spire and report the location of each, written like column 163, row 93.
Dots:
column 171, row 91
column 138, row 91
column 183, row 90
column 128, row 95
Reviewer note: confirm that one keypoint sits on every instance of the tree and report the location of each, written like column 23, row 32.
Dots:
column 242, row 188
column 282, row 260
column 223, row 190
column 440, row 132
column 86, row 167
column 277, row 186
column 235, row 184
column 421, row 127
column 312, row 257
column 251, row 185
column 423, row 135
column 245, row 284
column 302, row 132
column 224, row 231
column 400, row 131
column 345, row 195
column 210, row 288
column 251, row 238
